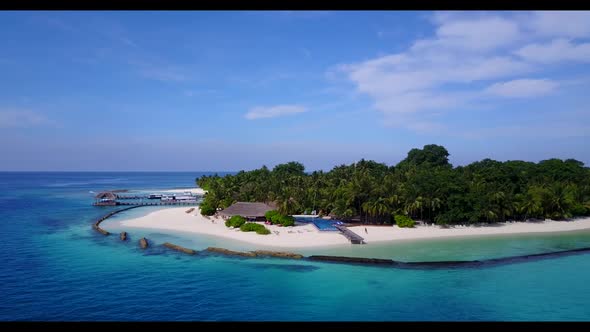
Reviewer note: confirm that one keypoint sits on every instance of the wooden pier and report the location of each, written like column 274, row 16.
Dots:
column 157, row 203
column 128, row 197
column 133, row 197
column 148, row 203
column 109, row 198
column 353, row 237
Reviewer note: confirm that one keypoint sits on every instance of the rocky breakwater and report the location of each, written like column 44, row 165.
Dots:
column 179, row 248
column 277, row 254
column 143, row 243
column 100, row 230
column 230, row 252
column 353, row 260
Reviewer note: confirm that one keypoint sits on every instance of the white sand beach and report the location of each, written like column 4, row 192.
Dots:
column 176, row 219
column 391, row 233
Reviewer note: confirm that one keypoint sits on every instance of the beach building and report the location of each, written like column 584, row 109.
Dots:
column 248, row 210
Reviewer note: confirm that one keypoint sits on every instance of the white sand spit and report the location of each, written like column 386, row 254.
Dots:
column 176, row 219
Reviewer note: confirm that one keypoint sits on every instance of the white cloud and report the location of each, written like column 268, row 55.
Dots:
column 415, row 81
column 407, row 72
column 479, row 34
column 471, row 57
column 555, row 51
column 523, row 88
column 573, row 24
column 21, row 119
column 261, row 112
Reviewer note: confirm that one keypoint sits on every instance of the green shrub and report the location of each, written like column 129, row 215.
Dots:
column 235, row 221
column 278, row 219
column 254, row 227
column 404, row 221
column 206, row 209
column 269, row 214
column 287, row 221
column 263, row 231
column 275, row 219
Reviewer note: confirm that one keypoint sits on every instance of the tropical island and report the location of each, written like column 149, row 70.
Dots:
column 421, row 197
column 424, row 186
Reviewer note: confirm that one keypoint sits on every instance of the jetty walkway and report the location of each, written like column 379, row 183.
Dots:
column 146, row 203
column 353, row 237
column 158, row 203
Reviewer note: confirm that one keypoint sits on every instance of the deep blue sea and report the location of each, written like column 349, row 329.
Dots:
column 55, row 267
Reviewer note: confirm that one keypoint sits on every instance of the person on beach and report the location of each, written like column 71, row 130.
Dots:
column 366, row 230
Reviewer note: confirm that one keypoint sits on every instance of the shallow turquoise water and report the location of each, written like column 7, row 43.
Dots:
column 55, row 267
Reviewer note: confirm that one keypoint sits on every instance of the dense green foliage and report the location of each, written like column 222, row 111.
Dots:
column 423, row 186
column 207, row 209
column 254, row 227
column 270, row 214
column 235, row 221
column 287, row 221
column 276, row 218
column 404, row 221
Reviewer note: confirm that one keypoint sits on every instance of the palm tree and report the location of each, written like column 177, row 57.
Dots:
column 287, row 204
column 435, row 204
column 367, row 207
column 491, row 215
column 499, row 200
column 524, row 205
column 393, row 202
column 561, row 199
column 419, row 204
column 376, row 207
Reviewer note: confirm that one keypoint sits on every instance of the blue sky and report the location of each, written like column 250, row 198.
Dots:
column 235, row 90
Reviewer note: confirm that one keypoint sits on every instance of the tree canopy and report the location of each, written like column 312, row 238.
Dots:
column 423, row 186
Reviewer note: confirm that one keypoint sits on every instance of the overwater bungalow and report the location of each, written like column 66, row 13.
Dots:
column 252, row 211
column 105, row 198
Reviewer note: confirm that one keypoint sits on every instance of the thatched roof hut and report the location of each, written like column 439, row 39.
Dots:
column 249, row 210
column 106, row 195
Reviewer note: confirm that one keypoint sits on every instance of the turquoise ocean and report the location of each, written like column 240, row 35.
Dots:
column 55, row 267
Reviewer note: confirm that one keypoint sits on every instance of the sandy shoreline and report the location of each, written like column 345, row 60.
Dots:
column 381, row 234
column 176, row 219
column 303, row 236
